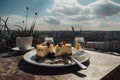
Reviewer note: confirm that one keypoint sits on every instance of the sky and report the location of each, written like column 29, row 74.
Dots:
column 100, row 15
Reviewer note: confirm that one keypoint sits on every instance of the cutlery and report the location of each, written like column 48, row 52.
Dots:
column 66, row 56
column 79, row 63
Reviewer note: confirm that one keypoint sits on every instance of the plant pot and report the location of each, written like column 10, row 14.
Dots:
column 24, row 43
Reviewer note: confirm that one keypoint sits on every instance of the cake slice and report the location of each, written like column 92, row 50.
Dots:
column 45, row 50
column 48, row 50
column 63, row 48
column 41, row 51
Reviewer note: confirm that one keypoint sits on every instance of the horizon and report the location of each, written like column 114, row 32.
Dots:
column 59, row 15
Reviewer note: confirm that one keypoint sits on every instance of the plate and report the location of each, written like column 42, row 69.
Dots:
column 17, row 49
column 31, row 56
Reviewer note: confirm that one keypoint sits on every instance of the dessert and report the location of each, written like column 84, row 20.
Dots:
column 51, row 51
column 42, row 51
column 63, row 48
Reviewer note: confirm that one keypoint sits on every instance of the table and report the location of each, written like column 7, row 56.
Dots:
column 13, row 67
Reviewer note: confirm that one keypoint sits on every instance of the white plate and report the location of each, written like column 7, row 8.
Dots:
column 30, row 58
column 17, row 49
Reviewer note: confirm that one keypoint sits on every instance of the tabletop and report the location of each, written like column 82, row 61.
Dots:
column 13, row 67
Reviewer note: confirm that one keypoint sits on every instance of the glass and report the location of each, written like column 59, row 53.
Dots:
column 79, row 43
column 49, row 39
column 77, row 46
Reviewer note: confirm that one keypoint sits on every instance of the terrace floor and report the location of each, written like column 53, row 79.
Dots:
column 100, row 67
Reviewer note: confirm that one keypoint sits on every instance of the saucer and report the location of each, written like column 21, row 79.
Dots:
column 17, row 49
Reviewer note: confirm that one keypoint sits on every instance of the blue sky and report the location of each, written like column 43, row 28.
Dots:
column 62, row 14
column 9, row 7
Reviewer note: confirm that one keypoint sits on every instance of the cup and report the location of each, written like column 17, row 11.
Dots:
column 24, row 43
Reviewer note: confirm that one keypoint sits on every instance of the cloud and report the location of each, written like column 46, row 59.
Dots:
column 48, row 10
column 17, row 20
column 67, row 7
column 104, row 8
column 45, row 21
column 98, row 9
column 51, row 20
column 80, row 18
column 91, row 16
column 66, row 13
column 14, row 20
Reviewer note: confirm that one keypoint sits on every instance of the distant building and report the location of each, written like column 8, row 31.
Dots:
column 116, row 45
column 113, row 45
column 95, row 45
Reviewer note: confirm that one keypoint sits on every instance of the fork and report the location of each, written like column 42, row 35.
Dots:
column 79, row 63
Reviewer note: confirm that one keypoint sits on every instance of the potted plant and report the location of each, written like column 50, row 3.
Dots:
column 22, row 36
column 24, row 40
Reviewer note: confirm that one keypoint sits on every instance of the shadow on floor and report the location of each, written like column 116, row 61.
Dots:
column 39, row 70
column 12, row 54
column 113, row 75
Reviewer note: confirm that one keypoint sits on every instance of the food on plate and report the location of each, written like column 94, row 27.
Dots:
column 63, row 48
column 44, row 50
column 51, row 51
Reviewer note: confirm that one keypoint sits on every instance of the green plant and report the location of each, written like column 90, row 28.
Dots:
column 23, row 31
column 9, row 35
column 73, row 31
